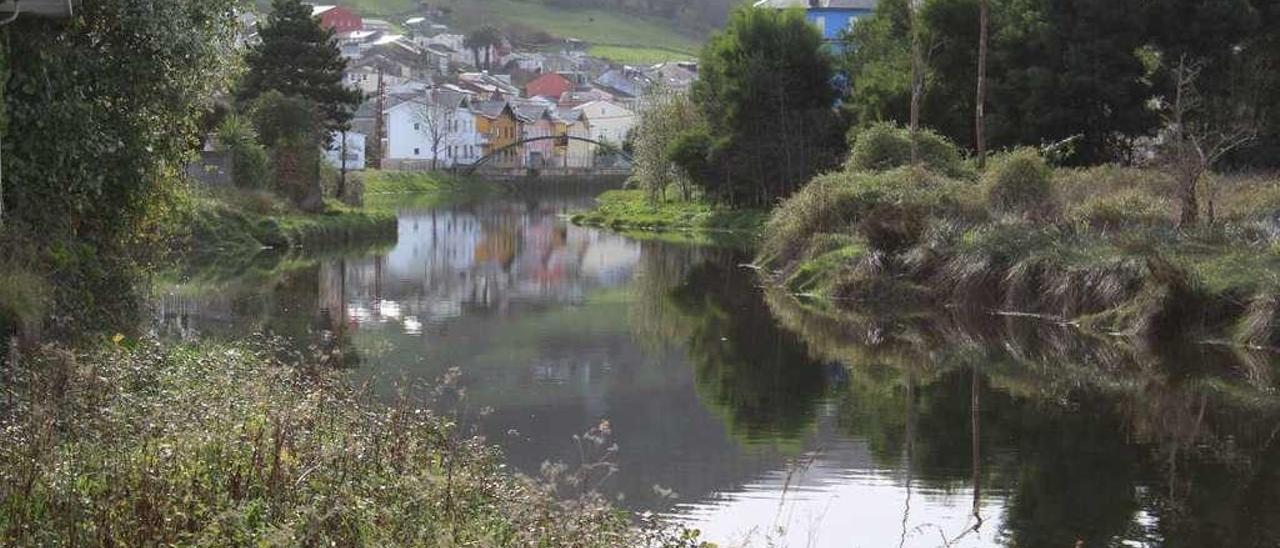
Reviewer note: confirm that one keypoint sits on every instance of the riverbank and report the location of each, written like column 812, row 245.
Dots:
column 1095, row 247
column 630, row 210
column 237, row 224
column 137, row 442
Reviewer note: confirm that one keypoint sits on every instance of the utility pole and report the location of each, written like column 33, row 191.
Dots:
column 917, row 78
column 374, row 159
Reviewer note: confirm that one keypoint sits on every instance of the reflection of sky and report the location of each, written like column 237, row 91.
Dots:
column 833, row 496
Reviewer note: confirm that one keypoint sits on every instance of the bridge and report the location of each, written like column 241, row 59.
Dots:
column 561, row 140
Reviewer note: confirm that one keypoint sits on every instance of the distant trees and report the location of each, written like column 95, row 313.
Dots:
column 765, row 91
column 484, row 39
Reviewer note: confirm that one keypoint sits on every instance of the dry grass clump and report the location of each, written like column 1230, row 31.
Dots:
column 1021, row 183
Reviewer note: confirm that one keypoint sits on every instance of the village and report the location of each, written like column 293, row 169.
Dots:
column 438, row 99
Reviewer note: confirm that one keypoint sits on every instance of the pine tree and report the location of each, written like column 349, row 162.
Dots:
column 298, row 57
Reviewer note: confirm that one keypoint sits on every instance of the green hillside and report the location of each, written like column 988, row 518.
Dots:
column 623, row 37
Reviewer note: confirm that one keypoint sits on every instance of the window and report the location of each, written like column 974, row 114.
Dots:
column 415, row 151
column 417, row 126
column 821, row 22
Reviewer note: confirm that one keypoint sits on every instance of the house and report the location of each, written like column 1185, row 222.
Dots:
column 624, row 83
column 433, row 129
column 610, row 122
column 677, row 77
column 378, row 25
column 354, row 151
column 498, row 127
column 536, row 121
column 573, row 152
column 552, row 84
column 490, row 86
column 338, row 18
column 832, row 17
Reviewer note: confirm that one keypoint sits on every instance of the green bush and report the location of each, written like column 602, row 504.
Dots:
column 885, row 146
column 1020, row 182
column 1124, row 209
column 690, row 152
column 248, row 156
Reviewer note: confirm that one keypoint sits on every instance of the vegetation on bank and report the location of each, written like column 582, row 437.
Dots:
column 632, row 210
column 1096, row 246
column 140, row 443
column 435, row 183
column 232, row 223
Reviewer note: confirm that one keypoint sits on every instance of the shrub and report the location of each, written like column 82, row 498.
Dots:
column 885, row 146
column 890, row 210
column 248, row 157
column 689, row 152
column 1124, row 209
column 1020, row 182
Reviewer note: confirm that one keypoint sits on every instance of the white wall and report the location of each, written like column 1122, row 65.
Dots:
column 407, row 138
column 355, row 151
column 609, row 122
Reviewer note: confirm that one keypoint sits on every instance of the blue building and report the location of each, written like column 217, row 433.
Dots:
column 831, row 17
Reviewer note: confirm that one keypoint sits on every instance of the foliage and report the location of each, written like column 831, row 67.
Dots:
column 251, row 444
column 662, row 121
column 631, row 210
column 690, row 152
column 297, row 57
column 1020, row 182
column 102, row 112
column 1129, row 208
column 765, row 91
column 884, row 146
column 248, row 157
column 1038, row 77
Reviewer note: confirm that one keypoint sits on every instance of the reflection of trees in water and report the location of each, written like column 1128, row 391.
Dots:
column 1080, row 434
column 756, row 376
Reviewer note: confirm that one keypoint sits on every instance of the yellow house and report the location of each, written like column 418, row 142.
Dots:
column 497, row 124
column 573, row 152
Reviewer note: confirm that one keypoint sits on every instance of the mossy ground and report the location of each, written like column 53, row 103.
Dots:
column 631, row 210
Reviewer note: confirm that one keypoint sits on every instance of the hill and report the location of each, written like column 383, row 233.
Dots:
column 623, row 37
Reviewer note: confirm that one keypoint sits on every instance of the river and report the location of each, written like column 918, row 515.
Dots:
column 758, row 421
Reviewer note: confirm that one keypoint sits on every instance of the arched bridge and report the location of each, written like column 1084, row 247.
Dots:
column 562, row 140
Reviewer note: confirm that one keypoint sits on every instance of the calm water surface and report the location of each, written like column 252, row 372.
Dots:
column 758, row 421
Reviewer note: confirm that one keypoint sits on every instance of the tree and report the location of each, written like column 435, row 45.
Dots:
column 437, row 119
column 485, row 38
column 299, row 57
column 1192, row 145
column 765, row 90
column 980, row 101
column 290, row 127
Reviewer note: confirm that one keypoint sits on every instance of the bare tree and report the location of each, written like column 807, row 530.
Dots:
column 1195, row 141
column 437, row 120
column 917, row 77
column 979, row 114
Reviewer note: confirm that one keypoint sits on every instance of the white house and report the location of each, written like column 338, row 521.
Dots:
column 435, row 125
column 354, row 152
column 610, row 122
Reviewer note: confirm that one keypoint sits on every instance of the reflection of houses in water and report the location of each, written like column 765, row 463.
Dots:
column 484, row 261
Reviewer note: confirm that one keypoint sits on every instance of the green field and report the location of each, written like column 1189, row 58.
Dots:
column 622, row 37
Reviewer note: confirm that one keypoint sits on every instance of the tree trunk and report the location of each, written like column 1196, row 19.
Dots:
column 1190, row 214
column 917, row 81
column 980, row 122
column 342, row 172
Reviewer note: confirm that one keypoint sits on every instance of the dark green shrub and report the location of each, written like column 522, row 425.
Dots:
column 248, row 157
column 885, row 146
column 690, row 151
column 1020, row 182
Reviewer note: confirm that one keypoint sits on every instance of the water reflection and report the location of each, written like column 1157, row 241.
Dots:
column 768, row 420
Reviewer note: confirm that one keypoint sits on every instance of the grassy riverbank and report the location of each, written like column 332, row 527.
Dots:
column 140, row 443
column 242, row 223
column 626, row 210
column 1097, row 247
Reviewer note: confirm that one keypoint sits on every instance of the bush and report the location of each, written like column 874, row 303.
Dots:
column 248, row 157
column 1020, row 182
column 890, row 210
column 1124, row 209
column 885, row 146
column 690, row 151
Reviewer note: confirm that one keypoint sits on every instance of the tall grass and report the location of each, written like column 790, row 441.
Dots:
column 237, row 445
